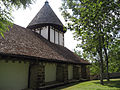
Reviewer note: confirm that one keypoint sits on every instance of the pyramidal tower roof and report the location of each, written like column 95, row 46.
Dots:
column 45, row 16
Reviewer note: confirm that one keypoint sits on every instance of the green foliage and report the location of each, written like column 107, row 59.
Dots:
column 96, row 23
column 6, row 8
column 90, row 19
column 94, row 69
column 114, row 57
column 78, row 52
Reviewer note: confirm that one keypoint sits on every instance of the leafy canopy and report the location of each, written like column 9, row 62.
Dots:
column 6, row 8
column 91, row 19
column 96, row 23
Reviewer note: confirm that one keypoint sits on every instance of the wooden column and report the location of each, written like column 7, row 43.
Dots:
column 48, row 33
column 58, row 38
column 63, row 39
column 40, row 31
column 54, row 36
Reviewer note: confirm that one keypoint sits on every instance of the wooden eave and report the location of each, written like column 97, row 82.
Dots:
column 32, row 59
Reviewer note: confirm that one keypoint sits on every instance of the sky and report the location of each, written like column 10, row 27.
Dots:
column 23, row 17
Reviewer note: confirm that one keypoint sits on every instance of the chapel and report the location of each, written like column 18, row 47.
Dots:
column 35, row 57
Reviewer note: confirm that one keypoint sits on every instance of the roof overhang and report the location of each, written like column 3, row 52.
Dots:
column 58, row 27
column 38, row 59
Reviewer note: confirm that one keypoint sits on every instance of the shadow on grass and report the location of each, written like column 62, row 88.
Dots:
column 111, row 83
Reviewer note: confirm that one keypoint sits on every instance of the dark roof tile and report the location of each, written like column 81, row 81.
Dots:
column 22, row 41
column 45, row 16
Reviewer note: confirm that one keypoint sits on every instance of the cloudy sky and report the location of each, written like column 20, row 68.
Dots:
column 23, row 17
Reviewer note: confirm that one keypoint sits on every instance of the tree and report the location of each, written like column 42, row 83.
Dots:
column 6, row 8
column 95, row 22
column 114, row 57
column 78, row 52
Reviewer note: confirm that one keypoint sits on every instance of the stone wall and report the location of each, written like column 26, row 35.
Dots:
column 62, row 73
column 59, row 72
column 80, row 72
column 65, row 72
column 83, row 72
column 76, row 73
column 88, row 72
column 37, row 75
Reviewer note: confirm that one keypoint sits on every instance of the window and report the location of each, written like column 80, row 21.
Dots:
column 44, row 32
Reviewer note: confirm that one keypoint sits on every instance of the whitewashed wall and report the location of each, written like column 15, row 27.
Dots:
column 51, row 35
column 50, row 72
column 70, row 71
column 13, row 76
column 61, row 38
column 56, row 37
column 44, row 32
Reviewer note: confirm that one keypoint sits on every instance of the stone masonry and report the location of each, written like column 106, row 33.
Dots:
column 76, row 72
column 37, row 75
column 62, row 73
column 83, row 72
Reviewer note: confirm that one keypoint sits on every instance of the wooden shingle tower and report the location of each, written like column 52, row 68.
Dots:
column 48, row 25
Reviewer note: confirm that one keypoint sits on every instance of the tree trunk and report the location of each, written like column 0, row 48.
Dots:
column 101, row 68
column 101, row 60
column 106, row 58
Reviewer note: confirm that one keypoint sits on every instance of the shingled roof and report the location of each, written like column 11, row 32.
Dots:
column 22, row 41
column 45, row 16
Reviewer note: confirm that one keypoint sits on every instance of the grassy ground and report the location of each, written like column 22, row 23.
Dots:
column 114, row 84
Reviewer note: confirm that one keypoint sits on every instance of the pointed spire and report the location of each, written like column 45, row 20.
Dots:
column 46, row 2
column 44, row 17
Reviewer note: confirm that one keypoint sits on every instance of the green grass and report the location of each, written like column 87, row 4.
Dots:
column 114, row 84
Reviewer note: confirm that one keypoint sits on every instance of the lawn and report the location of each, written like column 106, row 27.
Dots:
column 114, row 84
